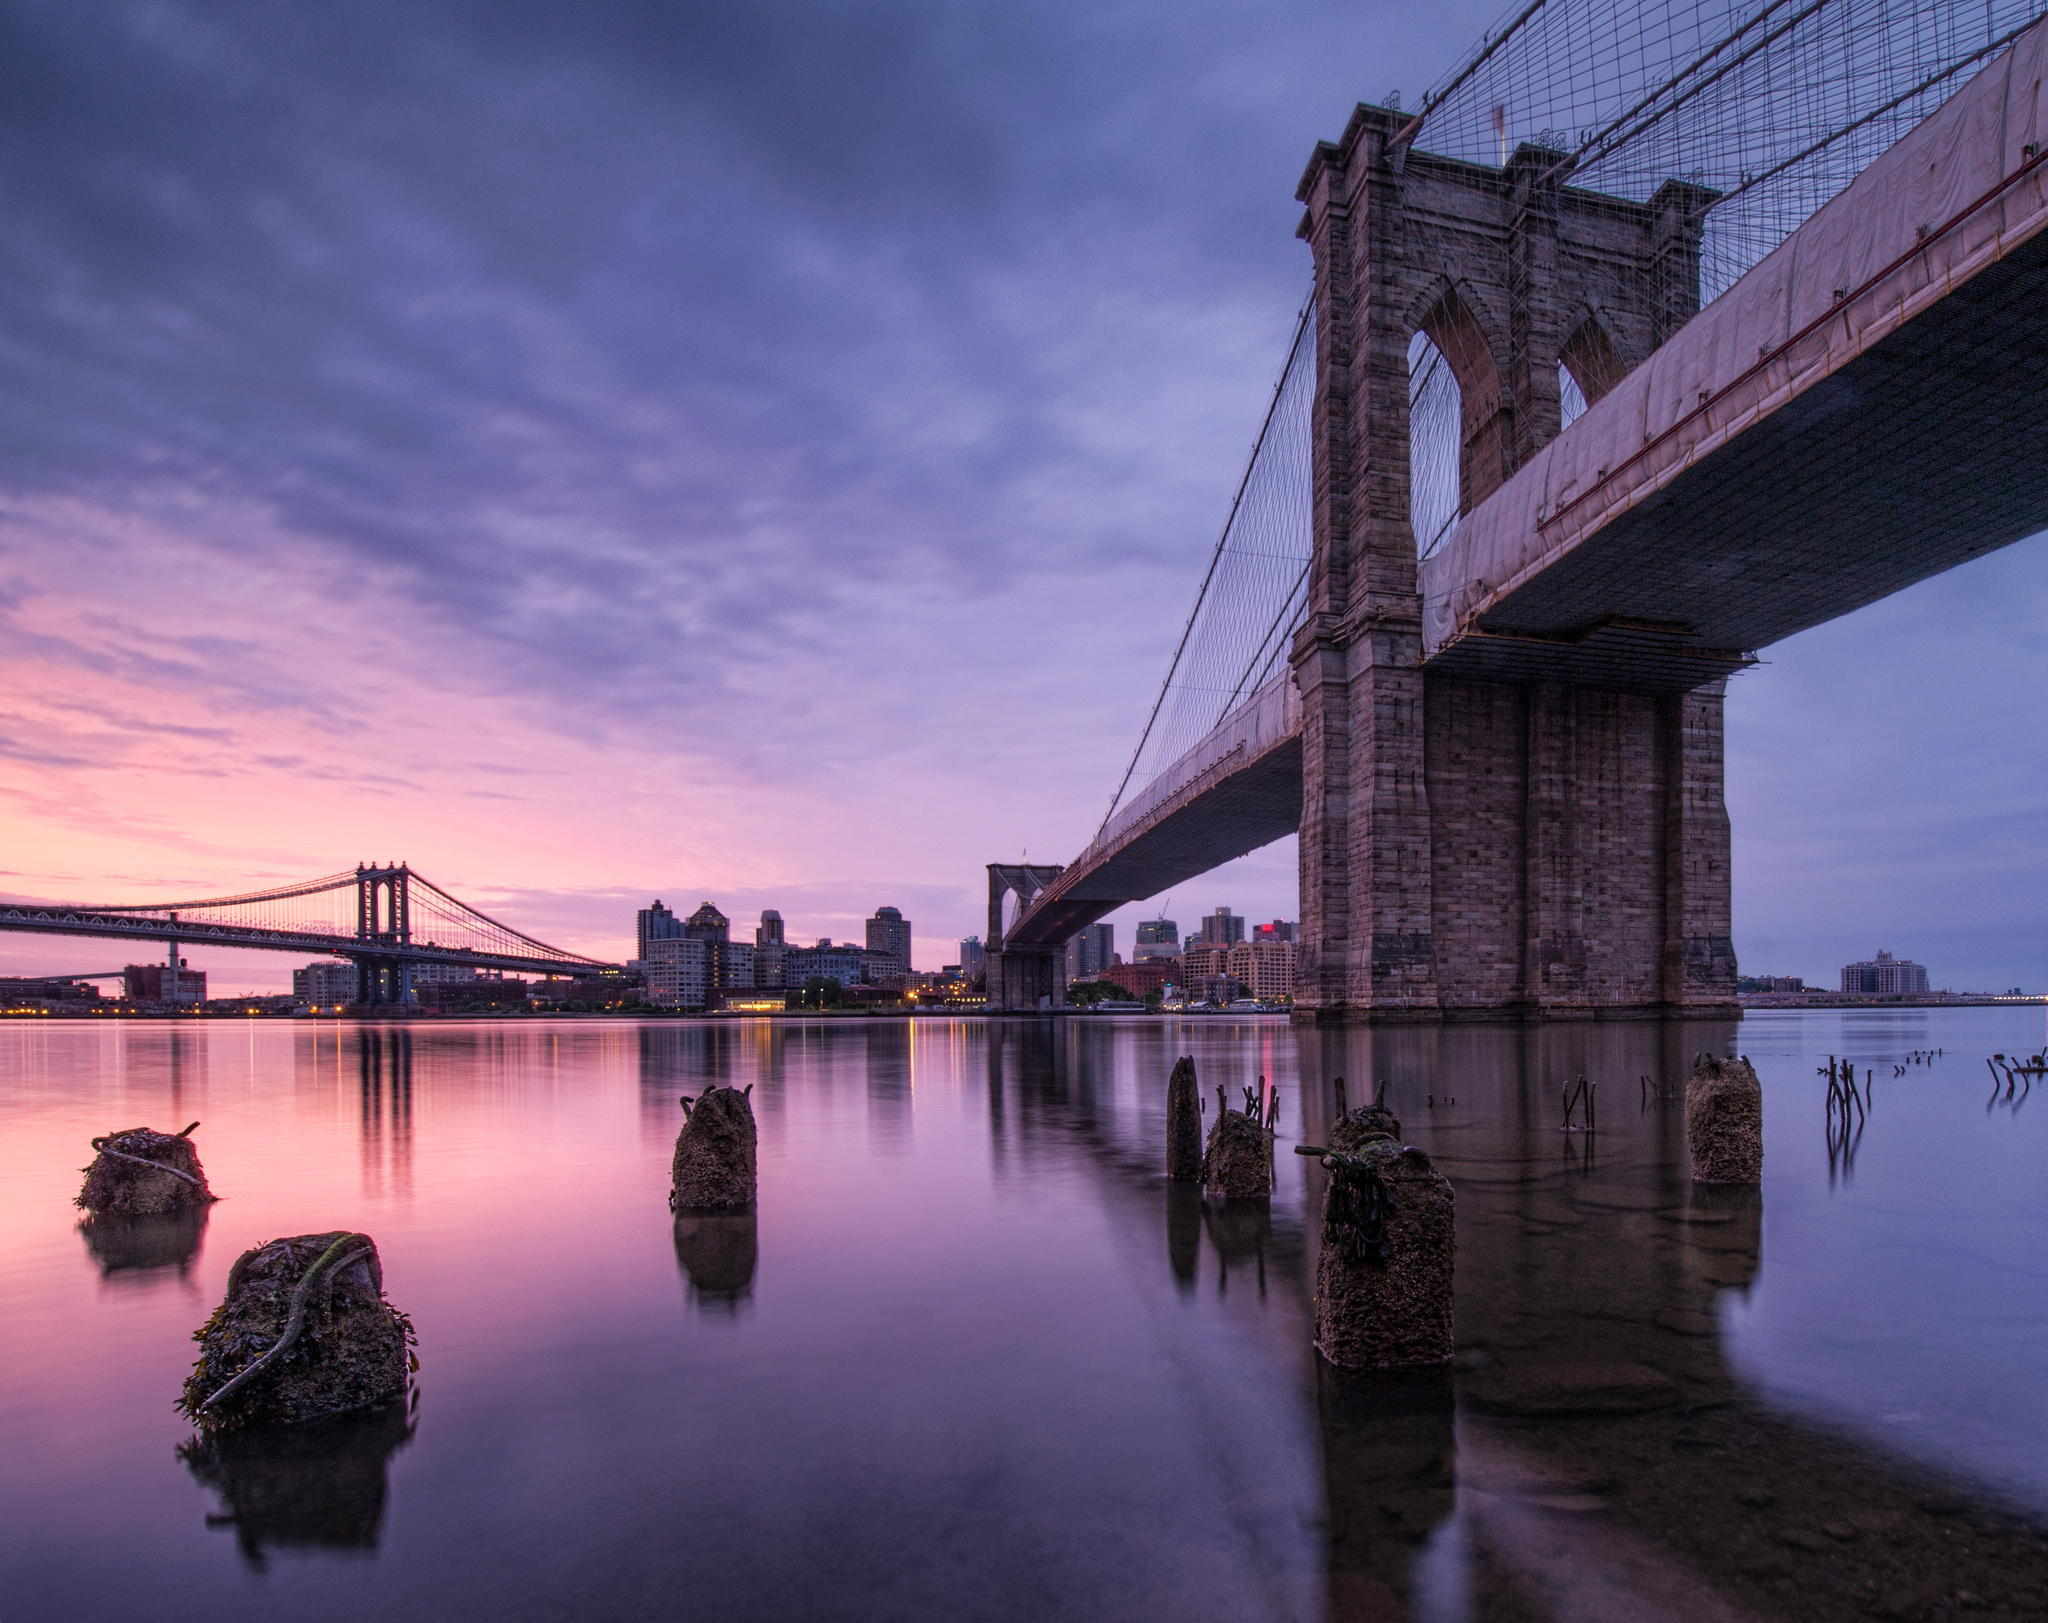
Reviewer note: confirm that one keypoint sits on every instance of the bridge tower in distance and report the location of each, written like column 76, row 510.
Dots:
column 1547, row 844
column 383, row 919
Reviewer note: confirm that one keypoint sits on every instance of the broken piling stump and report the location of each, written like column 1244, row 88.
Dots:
column 1724, row 1121
column 1238, row 1163
column 304, row 1332
column 1384, row 1280
column 139, row 1172
column 1361, row 1126
column 1183, row 1123
column 714, row 1159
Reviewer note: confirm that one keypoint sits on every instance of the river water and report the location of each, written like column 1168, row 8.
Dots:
column 971, row 1358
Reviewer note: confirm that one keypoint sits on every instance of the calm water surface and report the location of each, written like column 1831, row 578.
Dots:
column 973, row 1359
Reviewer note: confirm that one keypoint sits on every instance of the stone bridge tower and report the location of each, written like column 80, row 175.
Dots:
column 1473, row 847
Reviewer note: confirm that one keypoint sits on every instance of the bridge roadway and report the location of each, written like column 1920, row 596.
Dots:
column 1859, row 412
column 35, row 920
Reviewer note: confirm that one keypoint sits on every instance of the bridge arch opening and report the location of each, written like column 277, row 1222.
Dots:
column 1455, row 427
column 1587, row 367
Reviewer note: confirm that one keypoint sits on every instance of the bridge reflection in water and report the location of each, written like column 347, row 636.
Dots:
column 1593, row 1455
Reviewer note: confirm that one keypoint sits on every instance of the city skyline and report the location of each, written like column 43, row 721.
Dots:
column 405, row 444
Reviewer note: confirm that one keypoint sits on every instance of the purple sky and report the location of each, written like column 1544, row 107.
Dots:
column 759, row 453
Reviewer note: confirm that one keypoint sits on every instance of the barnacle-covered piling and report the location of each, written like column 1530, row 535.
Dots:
column 715, row 1152
column 1384, row 1280
column 1238, row 1163
column 304, row 1332
column 1724, row 1121
column 139, row 1172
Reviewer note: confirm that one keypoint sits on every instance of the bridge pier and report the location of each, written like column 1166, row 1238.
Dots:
column 1552, row 843
column 1027, row 980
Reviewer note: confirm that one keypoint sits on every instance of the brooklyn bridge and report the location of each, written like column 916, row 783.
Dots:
column 386, row 920
column 1611, row 376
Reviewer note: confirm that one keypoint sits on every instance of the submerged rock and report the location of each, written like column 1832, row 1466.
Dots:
column 1385, row 1276
column 1724, row 1122
column 1183, row 1123
column 140, row 1172
column 304, row 1332
column 714, row 1159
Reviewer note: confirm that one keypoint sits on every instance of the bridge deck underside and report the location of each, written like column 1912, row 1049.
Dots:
column 1233, row 814
column 1917, row 456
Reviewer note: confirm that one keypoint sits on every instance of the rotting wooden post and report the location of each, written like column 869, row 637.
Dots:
column 1183, row 1123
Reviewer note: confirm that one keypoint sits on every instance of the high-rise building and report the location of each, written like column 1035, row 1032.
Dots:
column 771, row 951
column 1222, row 928
column 1884, row 975
column 656, row 923
column 889, row 936
column 1278, row 930
column 973, row 961
column 1090, row 951
column 1157, row 938
column 707, row 924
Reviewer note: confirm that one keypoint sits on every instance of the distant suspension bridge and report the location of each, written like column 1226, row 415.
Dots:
column 387, row 921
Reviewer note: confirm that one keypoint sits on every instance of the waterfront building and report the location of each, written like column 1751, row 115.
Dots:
column 1143, row 976
column 1884, row 976
column 477, row 992
column 17, row 991
column 426, row 974
column 1201, row 963
column 889, row 935
column 973, row 961
column 324, row 983
column 677, row 971
column 172, row 982
column 1157, row 938
column 1222, row 928
column 846, row 963
column 1090, row 951
column 656, row 923
column 1263, row 966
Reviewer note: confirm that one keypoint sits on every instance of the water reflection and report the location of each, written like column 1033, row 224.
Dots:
column 319, row 1486
column 718, row 1252
column 1661, row 1407
column 1389, row 1450
column 138, row 1250
column 384, row 1108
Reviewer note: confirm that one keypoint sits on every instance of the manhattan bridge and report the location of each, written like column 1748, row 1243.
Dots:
column 386, row 920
